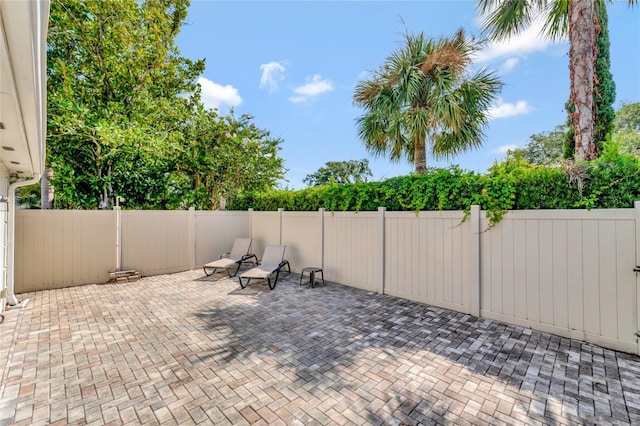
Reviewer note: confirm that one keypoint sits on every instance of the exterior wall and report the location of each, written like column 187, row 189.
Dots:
column 215, row 233
column 62, row 248
column 566, row 272
column 427, row 258
column 4, row 235
column 353, row 249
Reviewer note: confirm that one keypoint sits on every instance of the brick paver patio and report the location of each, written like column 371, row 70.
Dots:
column 183, row 349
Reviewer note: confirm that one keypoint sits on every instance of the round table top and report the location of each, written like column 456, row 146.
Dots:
column 311, row 269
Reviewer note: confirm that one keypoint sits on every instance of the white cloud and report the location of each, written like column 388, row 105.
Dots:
column 272, row 75
column 504, row 148
column 503, row 110
column 214, row 94
column 528, row 41
column 314, row 86
column 509, row 65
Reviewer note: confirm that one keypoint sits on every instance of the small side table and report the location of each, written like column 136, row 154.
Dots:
column 312, row 271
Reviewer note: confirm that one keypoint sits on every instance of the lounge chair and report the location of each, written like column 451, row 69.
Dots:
column 272, row 262
column 239, row 253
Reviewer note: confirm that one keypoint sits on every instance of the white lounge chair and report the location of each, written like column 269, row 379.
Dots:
column 272, row 262
column 239, row 253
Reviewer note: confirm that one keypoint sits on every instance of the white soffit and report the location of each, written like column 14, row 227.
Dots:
column 23, row 29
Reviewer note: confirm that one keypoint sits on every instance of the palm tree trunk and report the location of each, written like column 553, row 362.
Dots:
column 46, row 190
column 581, row 69
column 420, row 156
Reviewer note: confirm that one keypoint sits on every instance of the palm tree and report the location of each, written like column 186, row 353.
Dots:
column 423, row 93
column 575, row 18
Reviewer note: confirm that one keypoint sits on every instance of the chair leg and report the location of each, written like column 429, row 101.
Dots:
column 213, row 272
column 271, row 287
column 236, row 272
column 245, row 284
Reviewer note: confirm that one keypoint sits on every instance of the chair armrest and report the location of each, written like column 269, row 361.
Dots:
column 246, row 257
column 283, row 263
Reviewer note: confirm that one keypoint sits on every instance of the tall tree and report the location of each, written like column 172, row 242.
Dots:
column 222, row 156
column 424, row 94
column 604, row 89
column 545, row 147
column 340, row 172
column 575, row 18
column 628, row 118
column 117, row 109
column 627, row 128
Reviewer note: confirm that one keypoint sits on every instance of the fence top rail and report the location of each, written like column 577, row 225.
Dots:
column 155, row 212
column 310, row 214
column 221, row 213
column 445, row 214
column 594, row 214
column 52, row 212
column 267, row 214
column 352, row 215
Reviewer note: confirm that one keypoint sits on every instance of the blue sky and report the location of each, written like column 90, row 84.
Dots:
column 294, row 65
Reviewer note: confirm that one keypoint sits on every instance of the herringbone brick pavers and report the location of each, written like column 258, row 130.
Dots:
column 184, row 349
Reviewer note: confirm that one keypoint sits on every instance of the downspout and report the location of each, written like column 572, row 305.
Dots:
column 12, row 300
column 41, row 12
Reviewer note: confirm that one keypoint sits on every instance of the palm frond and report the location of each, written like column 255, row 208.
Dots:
column 556, row 25
column 421, row 96
column 506, row 18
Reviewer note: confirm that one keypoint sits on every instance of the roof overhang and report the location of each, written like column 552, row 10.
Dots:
column 23, row 96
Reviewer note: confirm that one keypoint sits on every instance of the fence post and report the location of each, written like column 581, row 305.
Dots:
column 637, row 207
column 192, row 238
column 475, row 283
column 250, row 223
column 118, row 230
column 280, row 223
column 321, row 211
column 381, row 259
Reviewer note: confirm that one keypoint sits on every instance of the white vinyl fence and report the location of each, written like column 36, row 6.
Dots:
column 62, row 248
column 568, row 272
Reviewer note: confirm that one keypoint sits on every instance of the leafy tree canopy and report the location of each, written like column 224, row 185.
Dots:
column 545, row 147
column 125, row 116
column 341, row 172
column 627, row 128
column 221, row 156
column 628, row 118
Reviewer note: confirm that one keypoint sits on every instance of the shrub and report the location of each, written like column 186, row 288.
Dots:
column 513, row 184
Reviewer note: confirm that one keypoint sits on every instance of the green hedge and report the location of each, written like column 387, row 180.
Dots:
column 510, row 185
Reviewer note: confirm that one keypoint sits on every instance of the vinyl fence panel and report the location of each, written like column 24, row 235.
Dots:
column 156, row 242
column 265, row 229
column 62, row 248
column 302, row 234
column 353, row 249
column 569, row 272
column 215, row 232
column 427, row 258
